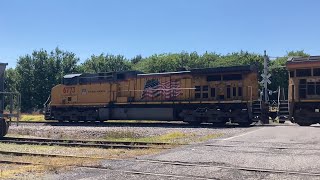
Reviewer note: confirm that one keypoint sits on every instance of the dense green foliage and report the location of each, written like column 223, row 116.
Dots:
column 36, row 73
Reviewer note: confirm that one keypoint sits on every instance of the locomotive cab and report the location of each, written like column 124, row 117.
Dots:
column 304, row 89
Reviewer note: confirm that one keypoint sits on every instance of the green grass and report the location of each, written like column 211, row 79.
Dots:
column 31, row 117
column 172, row 137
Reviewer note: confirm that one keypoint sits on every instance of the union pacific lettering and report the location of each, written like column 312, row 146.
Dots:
column 98, row 91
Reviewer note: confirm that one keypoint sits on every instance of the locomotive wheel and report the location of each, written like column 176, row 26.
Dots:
column 245, row 124
column 304, row 123
column 194, row 123
column 219, row 124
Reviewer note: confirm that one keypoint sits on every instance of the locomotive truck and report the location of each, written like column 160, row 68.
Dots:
column 304, row 89
column 212, row 95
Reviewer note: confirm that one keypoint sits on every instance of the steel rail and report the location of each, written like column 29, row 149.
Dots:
column 88, row 143
column 177, row 163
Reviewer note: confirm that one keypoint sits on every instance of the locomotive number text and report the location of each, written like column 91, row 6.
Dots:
column 69, row 90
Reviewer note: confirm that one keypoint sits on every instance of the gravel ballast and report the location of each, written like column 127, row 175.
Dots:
column 121, row 130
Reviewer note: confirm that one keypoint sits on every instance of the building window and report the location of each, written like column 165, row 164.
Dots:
column 302, row 88
column 214, row 78
column 213, row 92
column 205, row 95
column 291, row 73
column 318, row 88
column 197, row 95
column 230, row 77
column 228, row 92
column 303, row 72
column 197, row 88
column 311, row 88
column 316, row 72
column 239, row 91
column 205, row 88
column 234, row 91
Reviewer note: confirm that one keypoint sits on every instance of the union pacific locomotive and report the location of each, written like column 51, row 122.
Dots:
column 304, row 89
column 213, row 95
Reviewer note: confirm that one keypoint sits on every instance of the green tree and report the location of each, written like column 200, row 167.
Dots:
column 278, row 71
column 105, row 63
column 25, row 82
column 11, row 80
column 136, row 59
column 39, row 72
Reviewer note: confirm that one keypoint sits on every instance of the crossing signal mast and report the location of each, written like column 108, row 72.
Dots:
column 264, row 103
column 265, row 78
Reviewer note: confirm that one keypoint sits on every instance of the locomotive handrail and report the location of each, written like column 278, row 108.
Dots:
column 250, row 93
column 279, row 92
column 48, row 99
column 18, row 103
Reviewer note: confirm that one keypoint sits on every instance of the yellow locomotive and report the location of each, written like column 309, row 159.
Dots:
column 304, row 89
column 214, row 95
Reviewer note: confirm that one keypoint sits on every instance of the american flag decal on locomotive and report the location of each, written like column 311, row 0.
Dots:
column 168, row 89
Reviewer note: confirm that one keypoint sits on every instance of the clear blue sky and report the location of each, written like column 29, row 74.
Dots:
column 146, row 27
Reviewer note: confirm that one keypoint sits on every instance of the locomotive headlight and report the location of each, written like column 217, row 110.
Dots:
column 316, row 110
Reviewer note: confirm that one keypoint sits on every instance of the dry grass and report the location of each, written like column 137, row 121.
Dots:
column 56, row 164
column 78, row 151
column 42, row 165
column 49, row 164
column 175, row 137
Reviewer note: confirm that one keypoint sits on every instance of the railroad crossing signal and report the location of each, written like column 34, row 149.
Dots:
column 265, row 78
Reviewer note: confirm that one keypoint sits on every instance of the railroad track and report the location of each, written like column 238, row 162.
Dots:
column 16, row 153
column 131, row 124
column 173, row 163
column 88, row 143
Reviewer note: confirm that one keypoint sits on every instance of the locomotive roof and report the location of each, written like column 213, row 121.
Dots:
column 244, row 68
column 303, row 59
column 303, row 62
column 164, row 73
column 71, row 76
column 230, row 69
column 113, row 75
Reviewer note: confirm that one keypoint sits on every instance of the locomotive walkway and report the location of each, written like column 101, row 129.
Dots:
column 269, row 152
